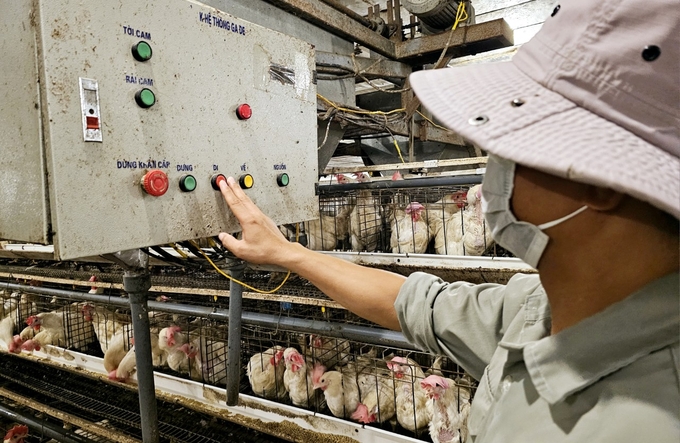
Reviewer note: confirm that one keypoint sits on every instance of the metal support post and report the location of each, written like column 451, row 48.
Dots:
column 137, row 284
column 234, row 343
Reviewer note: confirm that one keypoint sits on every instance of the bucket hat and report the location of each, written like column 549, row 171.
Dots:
column 594, row 97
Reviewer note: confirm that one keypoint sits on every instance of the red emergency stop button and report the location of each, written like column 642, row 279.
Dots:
column 244, row 111
column 155, row 182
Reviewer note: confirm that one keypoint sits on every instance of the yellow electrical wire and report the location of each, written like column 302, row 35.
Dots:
column 431, row 122
column 245, row 285
column 179, row 251
column 461, row 15
column 356, row 111
column 396, row 145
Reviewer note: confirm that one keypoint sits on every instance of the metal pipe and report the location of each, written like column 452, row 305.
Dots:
column 376, row 336
column 46, row 428
column 234, row 339
column 137, row 283
column 402, row 184
column 348, row 12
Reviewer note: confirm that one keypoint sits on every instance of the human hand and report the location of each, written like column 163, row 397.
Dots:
column 261, row 241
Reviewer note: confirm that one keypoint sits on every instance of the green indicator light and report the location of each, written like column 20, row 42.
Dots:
column 145, row 98
column 187, row 183
column 142, row 51
column 283, row 179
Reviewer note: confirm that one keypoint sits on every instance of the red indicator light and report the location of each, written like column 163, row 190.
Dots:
column 92, row 122
column 244, row 111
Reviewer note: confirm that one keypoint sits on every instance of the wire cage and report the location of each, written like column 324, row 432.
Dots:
column 41, row 320
column 444, row 220
column 336, row 375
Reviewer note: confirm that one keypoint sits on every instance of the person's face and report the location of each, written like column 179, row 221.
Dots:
column 539, row 197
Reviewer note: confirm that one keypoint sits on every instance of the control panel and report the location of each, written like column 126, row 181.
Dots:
column 119, row 120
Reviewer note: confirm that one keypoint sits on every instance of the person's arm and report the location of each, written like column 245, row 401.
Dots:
column 369, row 293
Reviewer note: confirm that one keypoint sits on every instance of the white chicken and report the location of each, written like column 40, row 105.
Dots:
column 411, row 398
column 449, row 406
column 445, row 219
column 265, row 373
column 298, row 378
column 365, row 219
column 328, row 351
column 128, row 364
column 118, row 348
column 410, row 231
column 65, row 327
column 477, row 237
column 324, row 232
column 106, row 323
column 340, row 389
column 170, row 339
column 207, row 360
column 7, row 325
column 377, row 398
column 16, row 434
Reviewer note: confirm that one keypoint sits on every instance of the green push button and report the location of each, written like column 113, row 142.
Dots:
column 282, row 179
column 145, row 98
column 142, row 51
column 187, row 183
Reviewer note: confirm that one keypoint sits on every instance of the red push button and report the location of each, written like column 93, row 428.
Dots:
column 244, row 112
column 215, row 181
column 155, row 182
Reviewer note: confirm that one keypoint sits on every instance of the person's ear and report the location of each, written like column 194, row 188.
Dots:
column 602, row 199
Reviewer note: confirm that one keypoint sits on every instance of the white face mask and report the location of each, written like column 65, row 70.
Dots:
column 527, row 241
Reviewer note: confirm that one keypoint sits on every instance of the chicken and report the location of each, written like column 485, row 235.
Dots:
column 445, row 219
column 329, row 351
column 340, row 389
column 377, row 398
column 16, row 434
column 365, row 219
column 8, row 340
column 476, row 236
column 170, row 339
column 7, row 325
column 106, row 323
column 207, row 360
column 298, row 378
column 324, row 232
column 411, row 398
column 118, row 348
column 449, row 406
column 128, row 364
column 265, row 373
column 94, row 289
column 410, row 231
column 65, row 327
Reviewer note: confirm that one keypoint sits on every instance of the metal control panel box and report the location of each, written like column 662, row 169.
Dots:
column 117, row 118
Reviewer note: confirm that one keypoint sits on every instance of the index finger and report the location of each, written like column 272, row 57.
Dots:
column 236, row 199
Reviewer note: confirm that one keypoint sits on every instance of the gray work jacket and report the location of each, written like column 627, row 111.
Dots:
column 613, row 377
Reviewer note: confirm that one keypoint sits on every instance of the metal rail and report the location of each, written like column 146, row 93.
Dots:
column 375, row 336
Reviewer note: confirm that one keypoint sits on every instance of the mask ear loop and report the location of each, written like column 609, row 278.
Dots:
column 545, row 226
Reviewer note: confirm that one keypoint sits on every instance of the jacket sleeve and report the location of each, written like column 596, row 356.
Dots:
column 461, row 320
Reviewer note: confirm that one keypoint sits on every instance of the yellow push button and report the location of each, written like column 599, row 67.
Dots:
column 246, row 181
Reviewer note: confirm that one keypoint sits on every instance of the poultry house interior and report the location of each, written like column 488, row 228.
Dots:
column 120, row 319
